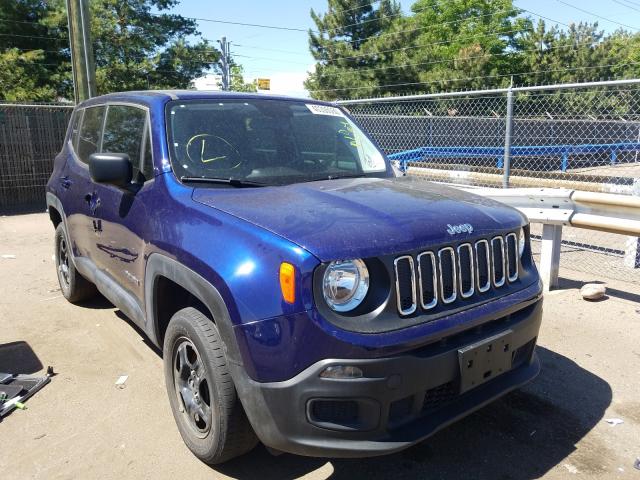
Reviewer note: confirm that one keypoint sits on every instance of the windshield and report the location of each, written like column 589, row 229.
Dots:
column 271, row 142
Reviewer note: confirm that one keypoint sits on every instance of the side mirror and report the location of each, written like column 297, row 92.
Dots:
column 112, row 168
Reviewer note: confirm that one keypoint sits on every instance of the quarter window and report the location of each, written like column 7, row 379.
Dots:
column 75, row 128
column 89, row 138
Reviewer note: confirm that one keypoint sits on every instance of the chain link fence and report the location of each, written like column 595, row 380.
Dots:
column 576, row 136
column 30, row 138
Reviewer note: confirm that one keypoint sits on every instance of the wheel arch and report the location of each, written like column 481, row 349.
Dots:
column 160, row 270
column 56, row 212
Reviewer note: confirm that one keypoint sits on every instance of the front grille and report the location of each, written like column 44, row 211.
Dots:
column 442, row 276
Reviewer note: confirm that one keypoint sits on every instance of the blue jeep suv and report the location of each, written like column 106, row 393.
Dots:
column 302, row 293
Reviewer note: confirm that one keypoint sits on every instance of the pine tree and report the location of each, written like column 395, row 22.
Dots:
column 344, row 46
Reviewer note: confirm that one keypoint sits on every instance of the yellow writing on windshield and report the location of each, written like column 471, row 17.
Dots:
column 348, row 134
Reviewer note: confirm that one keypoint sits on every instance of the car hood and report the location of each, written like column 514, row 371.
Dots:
column 363, row 217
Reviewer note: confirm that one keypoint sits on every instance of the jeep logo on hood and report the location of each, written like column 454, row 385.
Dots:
column 462, row 228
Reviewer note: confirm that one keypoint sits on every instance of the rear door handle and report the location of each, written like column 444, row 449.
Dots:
column 65, row 182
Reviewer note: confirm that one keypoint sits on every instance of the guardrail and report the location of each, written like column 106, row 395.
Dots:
column 555, row 208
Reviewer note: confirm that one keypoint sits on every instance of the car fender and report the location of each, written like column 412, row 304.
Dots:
column 160, row 265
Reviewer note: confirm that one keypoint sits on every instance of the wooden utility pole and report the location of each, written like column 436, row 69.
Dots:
column 82, row 61
column 226, row 63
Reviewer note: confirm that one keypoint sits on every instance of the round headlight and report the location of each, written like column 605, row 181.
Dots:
column 345, row 284
column 521, row 241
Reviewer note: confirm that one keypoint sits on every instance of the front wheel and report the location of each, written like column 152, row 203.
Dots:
column 203, row 398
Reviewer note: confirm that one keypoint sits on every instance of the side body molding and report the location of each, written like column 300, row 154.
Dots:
column 159, row 265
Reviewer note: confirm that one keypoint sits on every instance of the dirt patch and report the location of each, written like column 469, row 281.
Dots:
column 82, row 426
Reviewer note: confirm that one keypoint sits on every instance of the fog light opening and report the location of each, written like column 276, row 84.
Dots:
column 341, row 371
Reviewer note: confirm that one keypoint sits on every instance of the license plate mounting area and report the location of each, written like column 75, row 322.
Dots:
column 485, row 360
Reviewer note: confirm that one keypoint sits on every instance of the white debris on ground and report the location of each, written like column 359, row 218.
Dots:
column 121, row 381
column 614, row 421
column 593, row 291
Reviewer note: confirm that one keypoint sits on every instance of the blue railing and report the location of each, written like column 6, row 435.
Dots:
column 564, row 151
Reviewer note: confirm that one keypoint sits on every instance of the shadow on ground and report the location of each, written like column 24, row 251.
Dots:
column 566, row 283
column 521, row 436
column 18, row 358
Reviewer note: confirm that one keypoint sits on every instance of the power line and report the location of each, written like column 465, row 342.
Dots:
column 271, row 59
column 596, row 15
column 443, row 42
column 291, row 52
column 435, row 62
column 360, row 7
column 427, row 7
column 305, row 30
column 633, row 3
column 534, row 72
column 229, row 22
column 38, row 49
column 545, row 18
column 33, row 36
column 625, row 5
column 31, row 22
column 432, row 25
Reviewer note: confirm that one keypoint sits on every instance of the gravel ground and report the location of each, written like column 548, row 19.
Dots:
column 82, row 426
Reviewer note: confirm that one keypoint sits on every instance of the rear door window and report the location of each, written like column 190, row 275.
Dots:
column 124, row 132
column 90, row 131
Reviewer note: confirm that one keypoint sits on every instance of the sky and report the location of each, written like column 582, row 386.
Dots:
column 283, row 56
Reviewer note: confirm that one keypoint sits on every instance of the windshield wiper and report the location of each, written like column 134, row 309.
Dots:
column 337, row 177
column 234, row 182
column 348, row 175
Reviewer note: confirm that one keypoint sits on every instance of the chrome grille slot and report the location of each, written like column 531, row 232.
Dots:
column 483, row 265
column 405, row 284
column 448, row 277
column 512, row 257
column 466, row 270
column 497, row 261
column 427, row 279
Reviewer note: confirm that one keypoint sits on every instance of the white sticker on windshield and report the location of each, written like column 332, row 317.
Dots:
column 324, row 110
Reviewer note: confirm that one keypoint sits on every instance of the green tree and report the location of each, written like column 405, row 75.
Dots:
column 19, row 76
column 137, row 49
column 344, row 46
column 137, row 45
column 33, row 61
column 237, row 83
column 462, row 44
column 578, row 54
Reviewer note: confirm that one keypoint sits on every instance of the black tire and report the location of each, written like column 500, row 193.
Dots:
column 202, row 395
column 74, row 286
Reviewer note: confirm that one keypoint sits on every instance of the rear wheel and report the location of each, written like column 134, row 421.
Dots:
column 74, row 286
column 203, row 398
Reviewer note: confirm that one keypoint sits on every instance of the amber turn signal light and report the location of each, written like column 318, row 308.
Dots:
column 288, row 282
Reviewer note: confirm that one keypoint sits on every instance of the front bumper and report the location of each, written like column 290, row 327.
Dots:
column 400, row 401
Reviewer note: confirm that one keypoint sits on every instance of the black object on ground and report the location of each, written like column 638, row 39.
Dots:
column 15, row 389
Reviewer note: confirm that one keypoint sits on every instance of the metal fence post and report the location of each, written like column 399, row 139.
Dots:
column 506, row 164
column 550, row 255
column 632, row 250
